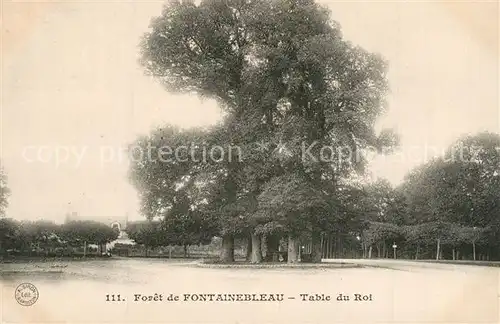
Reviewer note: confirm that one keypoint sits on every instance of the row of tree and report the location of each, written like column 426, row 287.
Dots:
column 446, row 208
column 183, row 231
column 451, row 202
column 46, row 238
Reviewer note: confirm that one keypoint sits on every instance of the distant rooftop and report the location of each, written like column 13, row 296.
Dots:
column 121, row 221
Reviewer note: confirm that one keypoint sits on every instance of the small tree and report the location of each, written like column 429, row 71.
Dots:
column 9, row 231
column 4, row 191
column 147, row 233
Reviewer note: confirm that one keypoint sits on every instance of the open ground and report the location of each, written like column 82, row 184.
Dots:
column 401, row 292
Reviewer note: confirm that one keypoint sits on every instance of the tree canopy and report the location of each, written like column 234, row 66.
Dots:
column 25, row 237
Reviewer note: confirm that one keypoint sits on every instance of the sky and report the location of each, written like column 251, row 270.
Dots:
column 71, row 86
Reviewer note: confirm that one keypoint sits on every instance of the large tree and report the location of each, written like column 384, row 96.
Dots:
column 285, row 78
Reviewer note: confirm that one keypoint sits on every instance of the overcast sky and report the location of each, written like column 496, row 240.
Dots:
column 70, row 80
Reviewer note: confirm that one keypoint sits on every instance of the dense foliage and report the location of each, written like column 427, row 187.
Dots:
column 48, row 238
column 448, row 205
column 286, row 79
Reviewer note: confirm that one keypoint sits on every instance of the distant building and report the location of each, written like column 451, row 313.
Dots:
column 114, row 222
column 119, row 222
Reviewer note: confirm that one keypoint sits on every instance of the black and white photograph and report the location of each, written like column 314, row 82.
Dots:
column 249, row 161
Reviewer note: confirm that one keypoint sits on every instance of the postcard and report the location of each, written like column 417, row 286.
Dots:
column 249, row 161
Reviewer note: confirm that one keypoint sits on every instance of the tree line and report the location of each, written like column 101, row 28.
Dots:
column 45, row 238
column 447, row 208
column 449, row 205
column 183, row 231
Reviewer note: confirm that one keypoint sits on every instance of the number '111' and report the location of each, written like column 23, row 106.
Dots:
column 113, row 298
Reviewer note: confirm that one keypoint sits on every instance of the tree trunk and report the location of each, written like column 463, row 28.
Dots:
column 272, row 246
column 378, row 251
column 327, row 247
column 293, row 256
column 272, row 243
column 322, row 244
column 384, row 250
column 453, row 254
column 256, row 255
column 170, row 251
column 333, row 247
column 263, row 246
column 249, row 249
column 227, row 253
column 339, row 249
column 316, row 247
column 438, row 251
column 185, row 251
column 84, row 249
column 370, row 252
column 474, row 250
column 416, row 253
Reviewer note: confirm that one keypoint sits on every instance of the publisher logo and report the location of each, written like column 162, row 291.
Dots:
column 26, row 294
